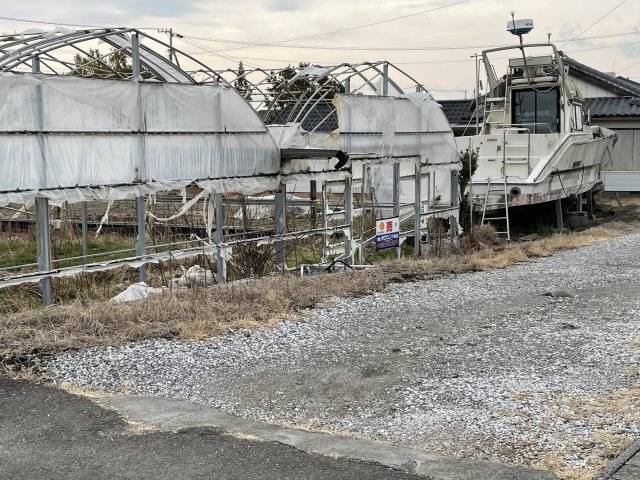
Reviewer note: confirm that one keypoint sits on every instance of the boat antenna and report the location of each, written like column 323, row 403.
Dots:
column 520, row 28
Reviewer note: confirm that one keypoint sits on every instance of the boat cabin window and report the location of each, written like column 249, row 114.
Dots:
column 539, row 110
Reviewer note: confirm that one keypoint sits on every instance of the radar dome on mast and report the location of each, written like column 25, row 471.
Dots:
column 520, row 27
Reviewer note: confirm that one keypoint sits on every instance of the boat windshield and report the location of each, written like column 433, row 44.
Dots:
column 537, row 109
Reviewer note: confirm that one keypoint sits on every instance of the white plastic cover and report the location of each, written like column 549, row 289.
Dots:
column 411, row 125
column 61, row 133
column 408, row 128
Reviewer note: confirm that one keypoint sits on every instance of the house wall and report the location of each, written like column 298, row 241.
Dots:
column 621, row 173
column 589, row 90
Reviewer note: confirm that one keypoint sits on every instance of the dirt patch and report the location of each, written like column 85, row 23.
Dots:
column 25, row 336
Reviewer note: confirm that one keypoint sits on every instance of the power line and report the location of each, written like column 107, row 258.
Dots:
column 379, row 22
column 24, row 20
column 344, row 48
column 629, row 67
column 204, row 49
column 62, row 24
column 595, row 23
column 386, row 49
column 365, row 25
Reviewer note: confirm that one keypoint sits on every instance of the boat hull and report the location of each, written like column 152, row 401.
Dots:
column 539, row 168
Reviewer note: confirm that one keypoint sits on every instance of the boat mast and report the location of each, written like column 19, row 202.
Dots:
column 520, row 31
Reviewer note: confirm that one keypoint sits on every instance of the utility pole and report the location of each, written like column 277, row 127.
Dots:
column 477, row 90
column 172, row 54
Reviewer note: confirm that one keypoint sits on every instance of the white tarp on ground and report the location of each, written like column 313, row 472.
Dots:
column 59, row 132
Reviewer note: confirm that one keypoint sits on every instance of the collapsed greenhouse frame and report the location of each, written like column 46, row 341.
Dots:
column 317, row 106
column 299, row 160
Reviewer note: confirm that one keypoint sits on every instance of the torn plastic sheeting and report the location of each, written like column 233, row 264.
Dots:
column 248, row 186
column 312, row 71
column 137, row 291
column 290, row 135
column 185, row 208
column 194, row 276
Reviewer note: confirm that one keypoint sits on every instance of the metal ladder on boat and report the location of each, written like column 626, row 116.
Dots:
column 488, row 220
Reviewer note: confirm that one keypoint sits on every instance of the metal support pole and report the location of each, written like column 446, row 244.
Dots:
column 396, row 199
column 348, row 219
column 363, row 213
column 218, row 238
column 85, row 242
column 579, row 202
column 43, row 230
column 313, row 196
column 135, row 57
column 141, row 243
column 281, row 225
column 455, row 202
column 470, row 197
column 590, row 204
column 428, row 209
column 477, row 89
column 559, row 214
column 385, row 79
column 417, row 209
column 455, row 189
column 43, row 246
column 243, row 207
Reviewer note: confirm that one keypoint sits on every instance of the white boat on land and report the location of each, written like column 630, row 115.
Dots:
column 534, row 144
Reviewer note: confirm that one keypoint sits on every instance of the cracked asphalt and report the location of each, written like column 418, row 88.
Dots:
column 47, row 434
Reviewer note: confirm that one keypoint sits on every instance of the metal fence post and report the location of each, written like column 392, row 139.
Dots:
column 141, row 243
column 363, row 213
column 85, row 242
column 455, row 202
column 559, row 214
column 140, row 201
column 417, row 209
column 43, row 228
column 348, row 219
column 396, row 200
column 281, row 225
column 218, row 238
column 43, row 246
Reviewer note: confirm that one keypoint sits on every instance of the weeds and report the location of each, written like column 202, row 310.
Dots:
column 255, row 304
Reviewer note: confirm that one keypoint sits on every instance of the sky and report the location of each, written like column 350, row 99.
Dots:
column 448, row 36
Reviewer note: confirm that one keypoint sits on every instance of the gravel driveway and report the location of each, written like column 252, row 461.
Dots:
column 513, row 365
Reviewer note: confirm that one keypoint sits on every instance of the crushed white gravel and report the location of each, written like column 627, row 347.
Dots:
column 505, row 365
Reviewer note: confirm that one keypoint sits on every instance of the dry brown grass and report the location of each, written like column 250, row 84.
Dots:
column 200, row 313
column 623, row 405
column 610, row 200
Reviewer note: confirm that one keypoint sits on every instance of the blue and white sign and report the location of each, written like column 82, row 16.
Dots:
column 387, row 233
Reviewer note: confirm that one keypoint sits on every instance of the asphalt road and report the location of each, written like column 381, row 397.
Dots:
column 46, row 433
